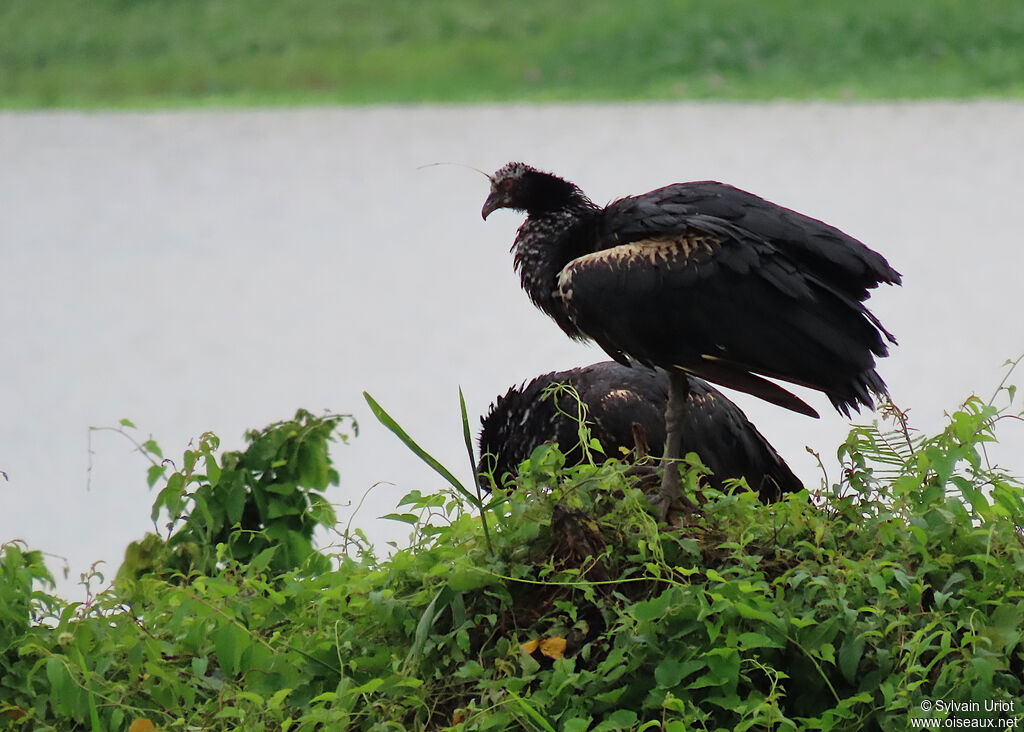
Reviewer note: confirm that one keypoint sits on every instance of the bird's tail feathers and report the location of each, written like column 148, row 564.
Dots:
column 720, row 372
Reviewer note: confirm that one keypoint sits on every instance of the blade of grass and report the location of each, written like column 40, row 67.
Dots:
column 94, row 716
column 467, row 436
column 426, row 622
column 532, row 713
column 469, row 440
column 385, row 419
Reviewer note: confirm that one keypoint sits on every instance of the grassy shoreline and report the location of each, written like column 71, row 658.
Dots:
column 170, row 53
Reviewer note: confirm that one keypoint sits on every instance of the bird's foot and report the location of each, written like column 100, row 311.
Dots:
column 670, row 509
column 670, row 496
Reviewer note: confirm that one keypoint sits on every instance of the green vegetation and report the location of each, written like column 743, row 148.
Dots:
column 902, row 582
column 173, row 52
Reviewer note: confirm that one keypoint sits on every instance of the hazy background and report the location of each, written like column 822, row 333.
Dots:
column 216, row 270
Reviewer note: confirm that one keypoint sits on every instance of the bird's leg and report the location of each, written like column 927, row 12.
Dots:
column 671, row 493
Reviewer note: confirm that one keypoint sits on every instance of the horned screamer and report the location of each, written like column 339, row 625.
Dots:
column 623, row 404
column 703, row 279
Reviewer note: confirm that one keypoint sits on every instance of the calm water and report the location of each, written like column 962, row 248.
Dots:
column 199, row 271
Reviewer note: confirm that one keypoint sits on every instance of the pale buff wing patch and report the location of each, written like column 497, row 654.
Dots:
column 671, row 252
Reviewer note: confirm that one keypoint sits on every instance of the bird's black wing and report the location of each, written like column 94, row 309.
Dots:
column 845, row 262
column 619, row 397
column 728, row 306
column 712, row 426
column 726, row 441
column 614, row 397
column 519, row 422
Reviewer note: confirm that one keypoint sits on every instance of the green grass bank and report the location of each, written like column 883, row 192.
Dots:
column 158, row 53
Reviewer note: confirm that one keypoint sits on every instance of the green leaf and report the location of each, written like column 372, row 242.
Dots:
column 229, row 713
column 752, row 613
column 61, row 684
column 405, row 518
column 724, row 663
column 313, row 465
column 127, row 423
column 669, row 673
column 426, row 622
column 262, row 560
column 655, row 608
column 229, row 643
column 758, row 640
column 285, row 488
column 94, row 716
column 530, row 712
column 623, row 719
column 150, row 446
column 417, row 500
column 827, row 652
column 276, row 508
column 612, row 697
column 321, row 511
column 369, row 687
column 154, row 474
column 467, row 436
column 464, row 579
column 213, row 470
column 169, row 497
column 233, row 497
column 468, row 439
column 849, row 656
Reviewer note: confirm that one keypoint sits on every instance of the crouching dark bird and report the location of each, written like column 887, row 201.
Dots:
column 702, row 279
column 616, row 398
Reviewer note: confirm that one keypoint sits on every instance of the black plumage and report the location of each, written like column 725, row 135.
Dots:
column 617, row 397
column 705, row 279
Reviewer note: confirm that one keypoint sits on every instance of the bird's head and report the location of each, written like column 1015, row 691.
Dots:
column 523, row 188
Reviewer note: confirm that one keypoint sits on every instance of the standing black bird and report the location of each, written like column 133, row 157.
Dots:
column 617, row 397
column 705, row 279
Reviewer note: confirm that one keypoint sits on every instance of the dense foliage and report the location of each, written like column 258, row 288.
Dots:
column 900, row 583
column 64, row 53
